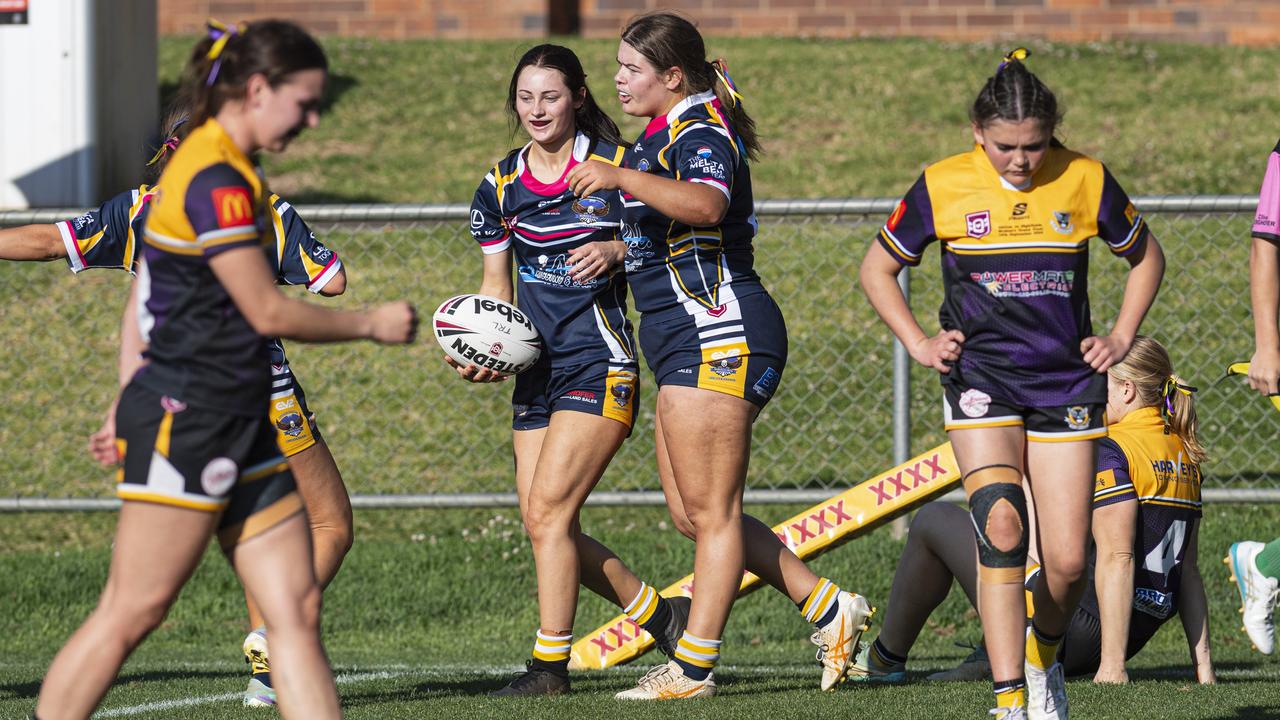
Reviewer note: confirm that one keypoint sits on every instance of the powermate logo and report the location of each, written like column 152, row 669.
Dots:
column 890, row 487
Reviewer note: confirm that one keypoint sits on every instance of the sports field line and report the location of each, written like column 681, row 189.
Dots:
column 344, row 679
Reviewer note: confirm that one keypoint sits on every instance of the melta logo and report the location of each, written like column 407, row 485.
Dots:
column 232, row 206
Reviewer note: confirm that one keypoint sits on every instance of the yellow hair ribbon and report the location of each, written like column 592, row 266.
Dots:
column 722, row 72
column 1015, row 55
column 1242, row 368
column 221, row 34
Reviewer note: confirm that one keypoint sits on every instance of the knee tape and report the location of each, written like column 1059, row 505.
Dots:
column 997, row 485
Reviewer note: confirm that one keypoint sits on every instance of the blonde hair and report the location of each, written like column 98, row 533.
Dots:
column 1148, row 367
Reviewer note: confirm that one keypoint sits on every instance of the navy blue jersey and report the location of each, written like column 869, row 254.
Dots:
column 580, row 322
column 108, row 238
column 676, row 269
column 1139, row 462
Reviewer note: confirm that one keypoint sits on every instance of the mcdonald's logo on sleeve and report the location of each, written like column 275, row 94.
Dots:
column 232, row 206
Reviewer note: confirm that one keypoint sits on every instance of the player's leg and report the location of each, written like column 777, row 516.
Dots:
column 328, row 510
column 275, row 565
column 1061, row 477
column 839, row 617
column 990, row 460
column 143, row 582
column 1255, row 568
column 940, row 546
column 707, row 438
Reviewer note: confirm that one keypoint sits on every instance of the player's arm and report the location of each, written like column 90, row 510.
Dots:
column 244, row 273
column 102, row 444
column 336, row 285
column 1193, row 609
column 879, row 278
column 1146, row 270
column 39, row 243
column 685, row 202
column 1264, row 296
column 1114, row 527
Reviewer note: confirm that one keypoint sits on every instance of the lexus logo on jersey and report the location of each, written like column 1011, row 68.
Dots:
column 978, row 225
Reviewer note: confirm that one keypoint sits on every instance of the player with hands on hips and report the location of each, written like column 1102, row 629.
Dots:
column 1023, row 373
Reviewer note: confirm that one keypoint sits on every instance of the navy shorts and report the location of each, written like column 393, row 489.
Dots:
column 739, row 348
column 967, row 407
column 201, row 459
column 605, row 388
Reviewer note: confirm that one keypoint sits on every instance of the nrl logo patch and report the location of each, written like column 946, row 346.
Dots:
column 978, row 225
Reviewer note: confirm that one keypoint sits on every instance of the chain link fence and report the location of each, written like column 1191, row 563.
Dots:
column 400, row 422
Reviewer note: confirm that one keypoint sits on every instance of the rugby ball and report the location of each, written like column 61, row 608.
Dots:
column 487, row 332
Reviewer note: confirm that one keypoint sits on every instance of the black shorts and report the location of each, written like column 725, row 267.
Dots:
column 604, row 388
column 202, row 459
column 739, row 349
column 966, row 407
column 1081, row 650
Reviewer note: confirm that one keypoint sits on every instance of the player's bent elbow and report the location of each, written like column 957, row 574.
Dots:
column 268, row 317
column 336, row 285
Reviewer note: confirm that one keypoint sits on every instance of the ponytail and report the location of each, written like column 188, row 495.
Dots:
column 732, row 101
column 222, row 62
column 1150, row 370
column 1013, row 94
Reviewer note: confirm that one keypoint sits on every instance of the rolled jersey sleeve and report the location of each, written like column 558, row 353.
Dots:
column 1112, row 483
column 1120, row 225
column 909, row 229
column 223, row 208
column 98, row 239
column 1266, row 222
column 487, row 226
column 706, row 155
column 304, row 260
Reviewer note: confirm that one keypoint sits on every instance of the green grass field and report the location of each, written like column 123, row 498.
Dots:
column 421, row 121
column 433, row 608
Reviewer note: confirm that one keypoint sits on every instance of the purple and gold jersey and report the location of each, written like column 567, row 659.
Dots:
column 580, row 322
column 1266, row 223
column 202, row 350
column 107, row 238
column 1139, row 461
column 1015, row 267
column 674, row 269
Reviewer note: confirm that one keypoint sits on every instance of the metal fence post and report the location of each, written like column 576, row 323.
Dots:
column 902, row 400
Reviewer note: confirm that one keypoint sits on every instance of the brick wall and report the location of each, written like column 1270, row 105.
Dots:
column 1249, row 22
column 371, row 18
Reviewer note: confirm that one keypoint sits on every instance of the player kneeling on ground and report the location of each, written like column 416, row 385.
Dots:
column 1146, row 511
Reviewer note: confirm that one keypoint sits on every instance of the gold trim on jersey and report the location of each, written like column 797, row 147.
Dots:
column 1062, row 437
column 162, row 499
column 262, row 520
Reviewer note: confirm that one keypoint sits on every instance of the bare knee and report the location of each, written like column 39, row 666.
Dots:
column 543, row 521
column 709, row 519
column 1004, row 529
column 134, row 616
column 301, row 614
column 1066, row 567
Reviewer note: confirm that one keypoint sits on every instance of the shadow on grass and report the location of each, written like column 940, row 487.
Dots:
column 29, row 690
column 1252, row 712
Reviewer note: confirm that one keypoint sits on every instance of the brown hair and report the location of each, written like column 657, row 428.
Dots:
column 1148, row 367
column 274, row 48
column 589, row 119
column 1014, row 93
column 668, row 40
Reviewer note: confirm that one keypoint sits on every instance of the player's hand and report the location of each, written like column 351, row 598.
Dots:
column 1109, row 676
column 474, row 373
column 939, row 351
column 592, row 176
column 594, row 259
column 102, row 444
column 1264, row 371
column 1101, row 352
column 393, row 323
